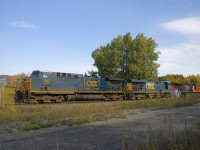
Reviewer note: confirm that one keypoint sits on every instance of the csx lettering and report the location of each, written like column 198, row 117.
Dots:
column 150, row 85
column 92, row 83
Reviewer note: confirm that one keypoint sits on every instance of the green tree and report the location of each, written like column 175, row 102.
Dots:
column 177, row 78
column 93, row 73
column 126, row 57
column 21, row 76
column 107, row 60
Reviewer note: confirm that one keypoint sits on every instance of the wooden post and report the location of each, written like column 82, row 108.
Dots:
column 3, row 94
column 0, row 94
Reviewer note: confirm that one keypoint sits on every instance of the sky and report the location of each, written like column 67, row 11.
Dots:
column 60, row 35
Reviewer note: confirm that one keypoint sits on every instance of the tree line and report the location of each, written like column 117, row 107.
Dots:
column 179, row 78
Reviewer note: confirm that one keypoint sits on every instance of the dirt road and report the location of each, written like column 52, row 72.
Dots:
column 98, row 135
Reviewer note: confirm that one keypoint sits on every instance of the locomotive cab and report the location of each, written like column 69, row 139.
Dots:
column 36, row 73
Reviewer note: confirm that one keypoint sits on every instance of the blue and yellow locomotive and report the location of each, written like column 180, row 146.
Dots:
column 142, row 89
column 52, row 87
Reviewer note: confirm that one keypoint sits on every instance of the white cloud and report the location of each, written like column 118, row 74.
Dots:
column 186, row 25
column 23, row 24
column 180, row 59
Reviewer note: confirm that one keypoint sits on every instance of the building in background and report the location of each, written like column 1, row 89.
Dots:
column 8, row 80
column 3, row 81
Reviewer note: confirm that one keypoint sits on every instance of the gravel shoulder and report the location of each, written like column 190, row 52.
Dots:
column 98, row 135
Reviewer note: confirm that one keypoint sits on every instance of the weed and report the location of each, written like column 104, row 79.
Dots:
column 35, row 126
column 29, row 126
column 9, row 129
column 125, row 145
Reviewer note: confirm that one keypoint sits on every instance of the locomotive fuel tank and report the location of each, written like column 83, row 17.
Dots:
column 85, row 97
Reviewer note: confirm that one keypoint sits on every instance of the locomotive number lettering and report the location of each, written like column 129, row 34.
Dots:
column 46, row 81
column 90, row 83
column 150, row 86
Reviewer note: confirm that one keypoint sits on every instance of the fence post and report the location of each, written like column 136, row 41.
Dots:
column 0, row 94
column 3, row 93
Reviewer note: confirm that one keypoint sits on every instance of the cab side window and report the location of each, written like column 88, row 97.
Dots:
column 45, row 76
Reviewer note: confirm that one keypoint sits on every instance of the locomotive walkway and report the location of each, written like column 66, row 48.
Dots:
column 98, row 135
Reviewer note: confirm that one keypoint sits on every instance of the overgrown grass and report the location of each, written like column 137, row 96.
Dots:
column 28, row 117
column 168, row 137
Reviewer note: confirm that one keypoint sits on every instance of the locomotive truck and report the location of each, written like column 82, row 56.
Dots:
column 56, row 87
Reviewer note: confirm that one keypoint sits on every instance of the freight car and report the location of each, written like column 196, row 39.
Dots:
column 185, row 88
column 52, row 87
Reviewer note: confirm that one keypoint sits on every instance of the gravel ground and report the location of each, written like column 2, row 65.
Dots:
column 103, row 135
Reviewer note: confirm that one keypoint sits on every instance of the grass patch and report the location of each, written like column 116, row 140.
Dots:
column 9, row 129
column 76, row 121
column 29, row 126
column 38, row 116
column 35, row 126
